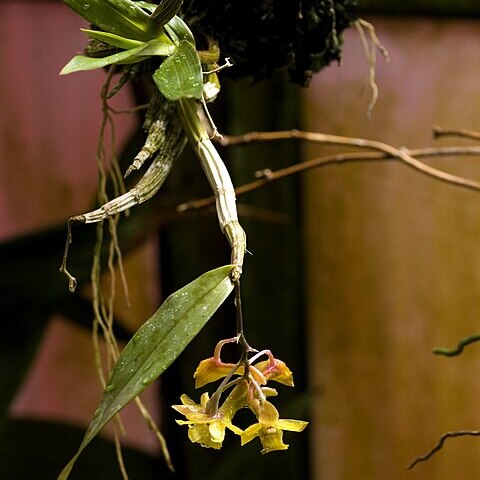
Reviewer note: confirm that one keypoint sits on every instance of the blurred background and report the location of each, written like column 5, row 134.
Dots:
column 357, row 272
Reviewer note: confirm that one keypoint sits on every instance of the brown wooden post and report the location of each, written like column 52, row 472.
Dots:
column 393, row 262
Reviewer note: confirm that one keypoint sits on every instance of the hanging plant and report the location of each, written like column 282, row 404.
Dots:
column 181, row 56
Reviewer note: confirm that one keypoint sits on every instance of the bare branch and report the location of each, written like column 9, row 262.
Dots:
column 267, row 176
column 401, row 154
column 455, row 132
column 459, row 348
column 439, row 446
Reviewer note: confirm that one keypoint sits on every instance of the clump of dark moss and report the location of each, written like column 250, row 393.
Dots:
column 261, row 36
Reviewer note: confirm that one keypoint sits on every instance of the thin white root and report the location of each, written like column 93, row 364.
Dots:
column 369, row 49
column 148, row 186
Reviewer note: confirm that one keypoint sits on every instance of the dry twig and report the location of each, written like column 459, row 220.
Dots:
column 439, row 446
column 455, row 132
column 401, row 154
column 453, row 352
column 384, row 152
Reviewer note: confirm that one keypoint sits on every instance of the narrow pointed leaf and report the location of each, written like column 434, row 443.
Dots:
column 121, row 17
column 112, row 39
column 180, row 75
column 156, row 345
column 166, row 10
column 150, row 7
column 179, row 30
column 80, row 63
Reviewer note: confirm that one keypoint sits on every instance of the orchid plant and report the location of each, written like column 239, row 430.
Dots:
column 124, row 34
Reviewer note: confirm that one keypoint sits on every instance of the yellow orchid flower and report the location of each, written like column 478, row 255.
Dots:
column 270, row 427
column 213, row 368
column 276, row 370
column 208, row 421
column 209, row 429
column 210, row 370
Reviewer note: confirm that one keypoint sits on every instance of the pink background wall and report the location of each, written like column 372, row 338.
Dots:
column 48, row 136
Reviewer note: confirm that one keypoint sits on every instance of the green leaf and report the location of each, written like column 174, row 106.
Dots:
column 178, row 30
column 147, row 5
column 166, row 10
column 156, row 345
column 162, row 47
column 180, row 75
column 112, row 39
column 121, row 17
column 80, row 63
